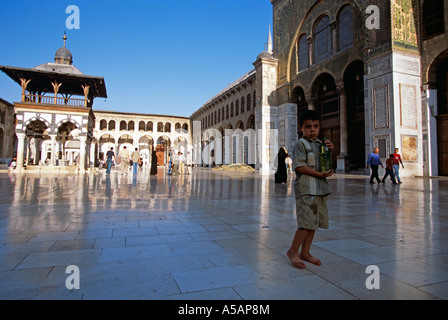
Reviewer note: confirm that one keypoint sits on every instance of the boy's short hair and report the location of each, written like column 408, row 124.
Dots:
column 308, row 115
column 391, row 156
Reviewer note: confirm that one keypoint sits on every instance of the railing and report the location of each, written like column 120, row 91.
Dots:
column 34, row 98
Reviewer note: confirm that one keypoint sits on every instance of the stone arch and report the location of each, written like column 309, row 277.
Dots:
column 163, row 148
column 146, row 146
column 37, row 118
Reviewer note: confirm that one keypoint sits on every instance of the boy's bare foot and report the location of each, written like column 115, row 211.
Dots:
column 310, row 259
column 295, row 260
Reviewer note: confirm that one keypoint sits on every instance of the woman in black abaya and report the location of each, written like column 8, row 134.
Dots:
column 281, row 175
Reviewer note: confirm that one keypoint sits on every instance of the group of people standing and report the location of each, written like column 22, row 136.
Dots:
column 126, row 159
column 179, row 164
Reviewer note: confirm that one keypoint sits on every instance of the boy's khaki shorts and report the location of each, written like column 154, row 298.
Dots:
column 312, row 212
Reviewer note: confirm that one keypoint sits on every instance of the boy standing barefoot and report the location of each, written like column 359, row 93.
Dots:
column 311, row 189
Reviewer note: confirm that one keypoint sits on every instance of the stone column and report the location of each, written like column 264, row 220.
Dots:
column 334, row 37
column 20, row 150
column 310, row 100
column 82, row 154
column 53, row 153
column 342, row 158
column 310, row 50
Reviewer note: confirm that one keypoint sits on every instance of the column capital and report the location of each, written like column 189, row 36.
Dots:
column 340, row 87
column 310, row 97
column 333, row 24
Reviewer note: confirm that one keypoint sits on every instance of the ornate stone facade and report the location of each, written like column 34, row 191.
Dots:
column 365, row 82
column 56, row 132
column 143, row 131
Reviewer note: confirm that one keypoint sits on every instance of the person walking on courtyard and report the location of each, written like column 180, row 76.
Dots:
column 110, row 156
column 170, row 162
column 390, row 169
column 175, row 164
column 181, row 163
column 124, row 161
column 397, row 162
column 311, row 190
column 374, row 161
column 135, row 157
column 280, row 173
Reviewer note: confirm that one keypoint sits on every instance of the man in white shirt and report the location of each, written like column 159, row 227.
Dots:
column 124, row 160
column 181, row 163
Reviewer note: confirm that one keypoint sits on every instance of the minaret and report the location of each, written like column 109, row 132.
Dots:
column 270, row 48
column 265, row 109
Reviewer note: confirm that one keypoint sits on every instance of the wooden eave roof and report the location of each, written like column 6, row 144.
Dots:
column 71, row 83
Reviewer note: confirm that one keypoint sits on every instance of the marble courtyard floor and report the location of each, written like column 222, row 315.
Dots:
column 217, row 235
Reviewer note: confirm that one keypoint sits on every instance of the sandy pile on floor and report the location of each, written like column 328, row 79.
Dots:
column 239, row 167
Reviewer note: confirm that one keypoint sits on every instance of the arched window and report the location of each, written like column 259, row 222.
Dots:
column 231, row 110
column 141, row 126
column 249, row 101
column 433, row 18
column 123, row 125
column 242, row 105
column 322, row 40
column 111, row 125
column 131, row 126
column 303, row 54
column 237, row 108
column 160, row 127
column 167, row 127
column 254, row 100
column 149, row 126
column 345, row 26
column 103, row 124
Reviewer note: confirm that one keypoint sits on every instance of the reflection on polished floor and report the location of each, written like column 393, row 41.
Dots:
column 217, row 235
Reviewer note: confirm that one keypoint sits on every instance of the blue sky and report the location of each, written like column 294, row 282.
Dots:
column 157, row 56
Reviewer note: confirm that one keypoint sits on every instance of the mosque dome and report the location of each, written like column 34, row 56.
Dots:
column 265, row 55
column 63, row 62
column 63, row 55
